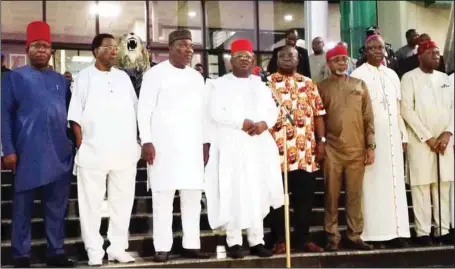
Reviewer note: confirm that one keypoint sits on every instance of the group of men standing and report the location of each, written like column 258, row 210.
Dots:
column 227, row 137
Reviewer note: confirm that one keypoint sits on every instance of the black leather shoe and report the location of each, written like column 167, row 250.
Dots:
column 235, row 252
column 60, row 260
column 161, row 256
column 194, row 254
column 359, row 245
column 22, row 263
column 424, row 240
column 261, row 251
column 398, row 243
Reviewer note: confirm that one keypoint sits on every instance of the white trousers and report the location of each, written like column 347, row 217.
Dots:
column 422, row 196
column 190, row 207
column 255, row 236
column 91, row 188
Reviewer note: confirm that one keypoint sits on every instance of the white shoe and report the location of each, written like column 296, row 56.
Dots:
column 95, row 258
column 121, row 257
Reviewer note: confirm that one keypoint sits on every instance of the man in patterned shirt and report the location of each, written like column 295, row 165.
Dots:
column 305, row 148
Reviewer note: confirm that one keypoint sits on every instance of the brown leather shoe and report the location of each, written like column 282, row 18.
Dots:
column 279, row 248
column 359, row 245
column 312, row 247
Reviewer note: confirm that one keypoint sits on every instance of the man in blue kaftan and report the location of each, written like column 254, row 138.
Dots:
column 36, row 147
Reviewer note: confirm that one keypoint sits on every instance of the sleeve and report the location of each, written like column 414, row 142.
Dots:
column 305, row 61
column 401, row 124
column 367, row 111
column 148, row 101
column 132, row 93
column 452, row 119
column 221, row 112
column 271, row 111
column 207, row 120
column 272, row 67
column 8, row 114
column 316, row 102
column 77, row 102
column 407, row 109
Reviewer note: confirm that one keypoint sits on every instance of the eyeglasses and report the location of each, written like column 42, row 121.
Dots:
column 110, row 47
column 242, row 57
column 38, row 46
column 339, row 60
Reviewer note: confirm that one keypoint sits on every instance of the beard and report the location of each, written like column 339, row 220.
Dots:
column 340, row 72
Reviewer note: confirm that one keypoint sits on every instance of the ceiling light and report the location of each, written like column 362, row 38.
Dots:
column 192, row 14
column 104, row 9
column 288, row 17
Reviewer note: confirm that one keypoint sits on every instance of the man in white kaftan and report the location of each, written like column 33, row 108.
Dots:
column 452, row 185
column 385, row 209
column 243, row 175
column 427, row 108
column 102, row 113
column 171, row 120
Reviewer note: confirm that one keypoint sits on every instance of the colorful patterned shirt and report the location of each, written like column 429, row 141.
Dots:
column 301, row 98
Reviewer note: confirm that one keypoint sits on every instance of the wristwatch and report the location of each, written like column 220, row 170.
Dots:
column 322, row 139
column 372, row 146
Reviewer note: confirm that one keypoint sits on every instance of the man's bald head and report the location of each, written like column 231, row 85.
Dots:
column 423, row 38
column 342, row 43
column 317, row 45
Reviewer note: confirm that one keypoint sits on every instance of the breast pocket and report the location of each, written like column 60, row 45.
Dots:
column 354, row 101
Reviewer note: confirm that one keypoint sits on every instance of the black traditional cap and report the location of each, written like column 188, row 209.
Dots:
column 179, row 35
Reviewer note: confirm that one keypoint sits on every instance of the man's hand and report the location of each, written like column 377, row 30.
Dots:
column 320, row 152
column 10, row 162
column 433, row 143
column 206, row 150
column 248, row 126
column 260, row 127
column 443, row 141
column 405, row 147
column 148, row 153
column 78, row 143
column 369, row 156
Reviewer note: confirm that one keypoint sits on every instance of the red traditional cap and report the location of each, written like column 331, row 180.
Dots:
column 38, row 30
column 336, row 51
column 426, row 45
column 241, row 45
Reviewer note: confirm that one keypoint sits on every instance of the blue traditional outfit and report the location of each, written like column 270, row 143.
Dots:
column 34, row 127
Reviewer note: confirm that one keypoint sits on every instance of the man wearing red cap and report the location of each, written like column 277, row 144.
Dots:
column 243, row 178
column 427, row 107
column 171, row 117
column 350, row 147
column 384, row 180
column 36, row 146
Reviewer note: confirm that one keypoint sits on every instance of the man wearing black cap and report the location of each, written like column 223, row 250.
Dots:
column 389, row 59
column 171, row 116
column 291, row 37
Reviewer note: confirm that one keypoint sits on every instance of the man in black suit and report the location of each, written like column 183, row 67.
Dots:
column 408, row 64
column 291, row 38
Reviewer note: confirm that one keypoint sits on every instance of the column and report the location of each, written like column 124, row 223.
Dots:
column 449, row 45
column 392, row 21
column 316, row 20
column 356, row 16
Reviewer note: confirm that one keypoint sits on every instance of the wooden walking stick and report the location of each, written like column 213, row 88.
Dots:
column 287, row 226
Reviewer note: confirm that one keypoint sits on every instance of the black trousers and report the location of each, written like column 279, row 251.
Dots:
column 302, row 186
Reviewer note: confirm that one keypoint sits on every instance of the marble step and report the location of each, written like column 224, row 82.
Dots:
column 142, row 244
column 142, row 223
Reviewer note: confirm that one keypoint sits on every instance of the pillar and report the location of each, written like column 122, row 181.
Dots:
column 449, row 45
column 356, row 16
column 393, row 22
column 316, row 20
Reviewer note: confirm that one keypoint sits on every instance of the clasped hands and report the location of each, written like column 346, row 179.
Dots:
column 439, row 145
column 254, row 128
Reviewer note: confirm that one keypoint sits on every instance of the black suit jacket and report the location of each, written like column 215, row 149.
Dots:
column 304, row 62
column 411, row 63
